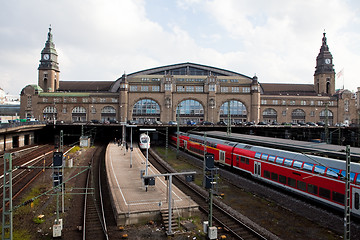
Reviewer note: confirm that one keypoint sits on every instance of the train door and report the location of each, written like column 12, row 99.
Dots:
column 356, row 201
column 221, row 157
column 257, row 169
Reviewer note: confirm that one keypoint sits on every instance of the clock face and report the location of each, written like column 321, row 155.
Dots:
column 327, row 61
column 46, row 56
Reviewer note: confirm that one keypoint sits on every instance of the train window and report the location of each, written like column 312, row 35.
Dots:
column 332, row 172
column 237, row 158
column 297, row 164
column 264, row 156
column 257, row 155
column 247, row 161
column 266, row 174
column 288, row 162
column 271, row 158
column 358, row 179
column 279, row 160
column 312, row 189
column 242, row 159
column 308, row 167
column 274, row 176
column 291, row 182
column 338, row 197
column 357, row 201
column 319, row 169
column 301, row 185
column 282, row 179
column 352, row 175
column 323, row 192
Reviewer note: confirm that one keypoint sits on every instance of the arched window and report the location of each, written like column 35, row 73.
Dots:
column 146, row 110
column 237, row 111
column 190, row 110
column 298, row 115
column 330, row 117
column 50, row 113
column 78, row 114
column 269, row 115
column 108, row 113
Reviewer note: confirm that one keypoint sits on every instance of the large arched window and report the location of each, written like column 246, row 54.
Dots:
column 50, row 113
column 269, row 115
column 190, row 110
column 78, row 114
column 298, row 115
column 237, row 111
column 108, row 113
column 329, row 116
column 146, row 110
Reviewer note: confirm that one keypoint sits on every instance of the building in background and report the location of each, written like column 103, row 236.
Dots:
column 187, row 92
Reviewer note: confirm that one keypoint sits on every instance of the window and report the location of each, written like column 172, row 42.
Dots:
column 45, row 100
column 279, row 160
column 312, row 103
column 102, row 100
column 288, row 162
column 283, row 102
column 301, row 185
column 275, row 102
column 284, row 113
column 312, row 189
column 319, row 103
column 325, row 193
column 274, row 176
column 114, row 100
column 257, row 155
column 271, row 158
column 235, row 89
column 263, row 102
column 212, row 88
column 291, row 182
column 85, row 100
column 352, row 175
column 303, row 102
column 29, row 101
column 332, row 172
column 224, row 89
column 133, row 88
column 74, row 100
column 168, row 87
column 56, row 100
column 264, row 156
column 292, row 102
column 180, row 88
column 242, row 159
column 64, row 110
column 144, row 88
column 266, row 174
column 246, row 89
column 356, row 201
column 282, row 179
column 199, row 89
column 338, row 197
column 297, row 164
column 308, row 167
column 93, row 100
column 155, row 88
column 190, row 88
column 319, row 169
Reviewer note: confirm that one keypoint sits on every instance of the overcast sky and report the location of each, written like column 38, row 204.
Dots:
column 278, row 40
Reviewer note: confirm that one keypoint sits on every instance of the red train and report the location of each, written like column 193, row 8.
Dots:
column 318, row 178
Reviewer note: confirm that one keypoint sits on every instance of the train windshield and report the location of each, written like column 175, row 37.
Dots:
column 144, row 139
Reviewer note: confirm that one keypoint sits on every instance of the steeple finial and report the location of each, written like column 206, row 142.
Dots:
column 49, row 34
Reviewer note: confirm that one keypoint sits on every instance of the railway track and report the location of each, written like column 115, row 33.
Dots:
column 38, row 157
column 94, row 222
column 222, row 216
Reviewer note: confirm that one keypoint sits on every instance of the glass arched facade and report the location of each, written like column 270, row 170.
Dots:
column 78, row 114
column 237, row 111
column 108, row 113
column 146, row 110
column 298, row 115
column 190, row 110
column 269, row 115
column 50, row 113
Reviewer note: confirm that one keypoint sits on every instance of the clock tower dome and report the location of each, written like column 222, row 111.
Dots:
column 324, row 77
column 49, row 66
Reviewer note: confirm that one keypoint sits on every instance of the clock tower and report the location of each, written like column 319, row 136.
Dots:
column 49, row 66
column 324, row 77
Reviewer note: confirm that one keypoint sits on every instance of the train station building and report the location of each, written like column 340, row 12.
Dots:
column 187, row 91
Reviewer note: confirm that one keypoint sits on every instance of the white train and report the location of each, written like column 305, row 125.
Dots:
column 144, row 141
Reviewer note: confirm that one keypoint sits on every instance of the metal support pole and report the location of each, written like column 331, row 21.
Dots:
column 204, row 162
column 167, row 143
column 131, row 147
column 210, row 204
column 7, row 215
column 347, row 196
column 326, row 124
column 229, row 120
column 177, row 134
column 63, row 162
column 147, row 154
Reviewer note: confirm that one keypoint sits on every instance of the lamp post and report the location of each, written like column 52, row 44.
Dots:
column 131, row 146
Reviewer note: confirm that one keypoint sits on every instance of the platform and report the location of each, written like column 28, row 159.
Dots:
column 131, row 202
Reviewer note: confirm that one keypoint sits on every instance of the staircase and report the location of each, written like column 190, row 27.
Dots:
column 165, row 218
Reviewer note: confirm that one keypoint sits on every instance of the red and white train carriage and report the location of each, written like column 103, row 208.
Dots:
column 318, row 178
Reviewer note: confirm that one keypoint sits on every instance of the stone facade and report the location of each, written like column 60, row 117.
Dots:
column 188, row 91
